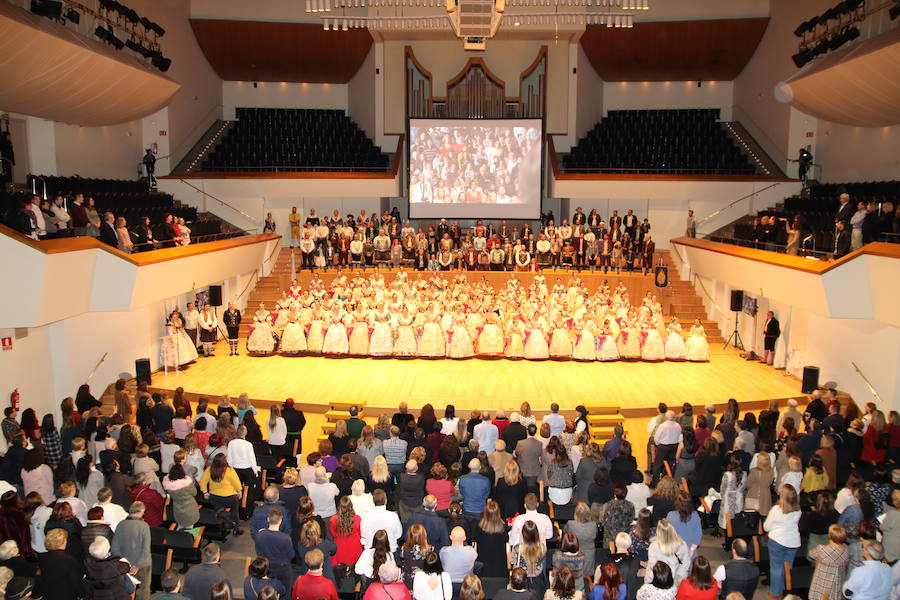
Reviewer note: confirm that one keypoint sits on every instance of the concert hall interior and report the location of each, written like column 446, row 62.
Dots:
column 593, row 206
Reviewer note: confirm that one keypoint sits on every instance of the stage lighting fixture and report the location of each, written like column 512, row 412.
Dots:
column 894, row 12
column 73, row 15
column 802, row 58
column 162, row 64
column 107, row 4
column 146, row 23
column 159, row 30
column 101, row 33
column 802, row 28
column 116, row 42
column 52, row 9
column 133, row 45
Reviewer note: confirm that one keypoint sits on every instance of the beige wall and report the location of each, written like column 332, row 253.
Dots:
column 111, row 152
column 505, row 58
column 589, row 96
column 361, row 92
column 282, row 95
column 857, row 153
column 643, row 95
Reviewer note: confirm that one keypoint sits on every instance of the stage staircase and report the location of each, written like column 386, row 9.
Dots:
column 339, row 410
column 687, row 305
column 602, row 419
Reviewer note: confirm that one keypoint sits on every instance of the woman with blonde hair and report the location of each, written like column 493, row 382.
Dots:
column 759, row 485
column 782, row 525
column 243, row 407
column 662, row 501
column 471, row 588
column 361, row 500
column 369, row 445
column 831, row 562
column 529, row 554
column 525, row 416
column 583, row 527
column 290, row 491
column 510, row 491
column 339, row 439
column 794, row 475
column 277, row 429
column 668, row 547
column 380, row 478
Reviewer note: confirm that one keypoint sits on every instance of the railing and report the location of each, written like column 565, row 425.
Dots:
column 195, row 239
column 772, row 149
column 655, row 171
column 222, row 202
column 191, row 138
column 866, row 379
column 730, row 204
column 294, row 169
column 771, row 247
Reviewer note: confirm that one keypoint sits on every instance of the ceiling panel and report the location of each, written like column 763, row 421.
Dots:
column 265, row 51
column 673, row 51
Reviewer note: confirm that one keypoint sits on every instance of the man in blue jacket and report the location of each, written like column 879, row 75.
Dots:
column 475, row 489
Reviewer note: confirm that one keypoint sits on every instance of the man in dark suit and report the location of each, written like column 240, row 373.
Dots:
column 647, row 255
column 108, row 231
column 845, row 212
column 630, row 222
column 841, row 240
column 615, row 221
column 771, row 331
column 435, row 526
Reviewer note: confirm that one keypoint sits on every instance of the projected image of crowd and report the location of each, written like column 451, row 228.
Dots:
column 474, row 165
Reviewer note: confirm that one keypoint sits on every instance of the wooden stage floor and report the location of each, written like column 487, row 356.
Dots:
column 474, row 383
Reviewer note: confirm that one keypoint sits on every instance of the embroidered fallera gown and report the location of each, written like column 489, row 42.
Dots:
column 697, row 348
column 261, row 340
column 675, row 347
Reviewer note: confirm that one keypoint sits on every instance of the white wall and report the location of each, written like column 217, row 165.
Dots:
column 857, row 153
column 282, row 94
column 644, row 95
column 589, row 97
column 361, row 105
column 111, row 152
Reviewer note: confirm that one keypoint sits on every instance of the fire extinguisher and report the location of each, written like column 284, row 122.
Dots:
column 14, row 399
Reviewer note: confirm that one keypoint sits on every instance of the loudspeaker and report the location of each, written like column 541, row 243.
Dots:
column 737, row 300
column 142, row 370
column 215, row 295
column 810, row 380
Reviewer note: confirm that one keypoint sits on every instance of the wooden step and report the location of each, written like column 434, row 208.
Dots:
column 337, row 415
column 603, row 420
column 345, row 403
column 604, row 408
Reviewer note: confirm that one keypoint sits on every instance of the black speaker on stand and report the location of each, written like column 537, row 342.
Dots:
column 810, row 380
column 737, row 304
column 142, row 370
column 215, row 295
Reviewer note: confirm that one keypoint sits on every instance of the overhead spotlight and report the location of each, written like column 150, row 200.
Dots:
column 133, row 45
column 108, row 4
column 803, row 28
column 802, row 58
column 73, row 15
column 159, row 30
column 116, row 42
column 146, row 23
column 162, row 64
column 101, row 32
column 51, row 9
column 894, row 12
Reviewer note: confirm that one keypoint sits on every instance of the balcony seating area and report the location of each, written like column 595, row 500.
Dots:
column 286, row 139
column 689, row 141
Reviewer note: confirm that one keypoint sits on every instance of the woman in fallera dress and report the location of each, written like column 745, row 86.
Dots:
column 284, row 306
column 536, row 347
column 490, row 340
column 293, row 340
column 336, row 342
column 585, row 342
column 675, row 348
column 560, row 340
column 359, row 335
column 432, row 343
column 381, row 344
column 460, row 344
column 630, row 340
column 515, row 339
column 697, row 349
column 652, row 349
column 315, row 332
column 607, row 348
column 261, row 340
column 178, row 350
column 405, row 344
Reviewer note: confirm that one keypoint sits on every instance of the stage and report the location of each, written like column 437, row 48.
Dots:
column 474, row 383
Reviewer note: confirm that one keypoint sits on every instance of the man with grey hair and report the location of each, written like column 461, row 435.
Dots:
column 131, row 541
column 395, row 452
column 486, row 433
column 435, row 526
column 242, row 459
column 513, row 433
column 666, row 439
column 391, row 585
column 872, row 580
column 475, row 489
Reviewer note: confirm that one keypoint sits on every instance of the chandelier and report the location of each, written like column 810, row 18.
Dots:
column 473, row 21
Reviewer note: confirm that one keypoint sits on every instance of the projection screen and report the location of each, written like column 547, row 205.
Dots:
column 475, row 168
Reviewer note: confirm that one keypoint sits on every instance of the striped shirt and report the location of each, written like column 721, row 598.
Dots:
column 395, row 451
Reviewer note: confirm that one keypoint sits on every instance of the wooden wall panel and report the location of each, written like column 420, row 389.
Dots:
column 673, row 51
column 295, row 52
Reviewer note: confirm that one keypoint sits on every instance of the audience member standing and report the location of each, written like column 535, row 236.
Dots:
column 131, row 541
column 201, row 578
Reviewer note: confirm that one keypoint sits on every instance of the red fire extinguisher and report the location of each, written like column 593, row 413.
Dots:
column 14, row 399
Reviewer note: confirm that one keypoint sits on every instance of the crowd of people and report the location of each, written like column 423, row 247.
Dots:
column 367, row 315
column 586, row 242
column 76, row 216
column 402, row 507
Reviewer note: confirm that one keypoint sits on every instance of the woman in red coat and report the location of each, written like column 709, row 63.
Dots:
column 344, row 527
column 699, row 585
column 870, row 451
column 153, row 501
